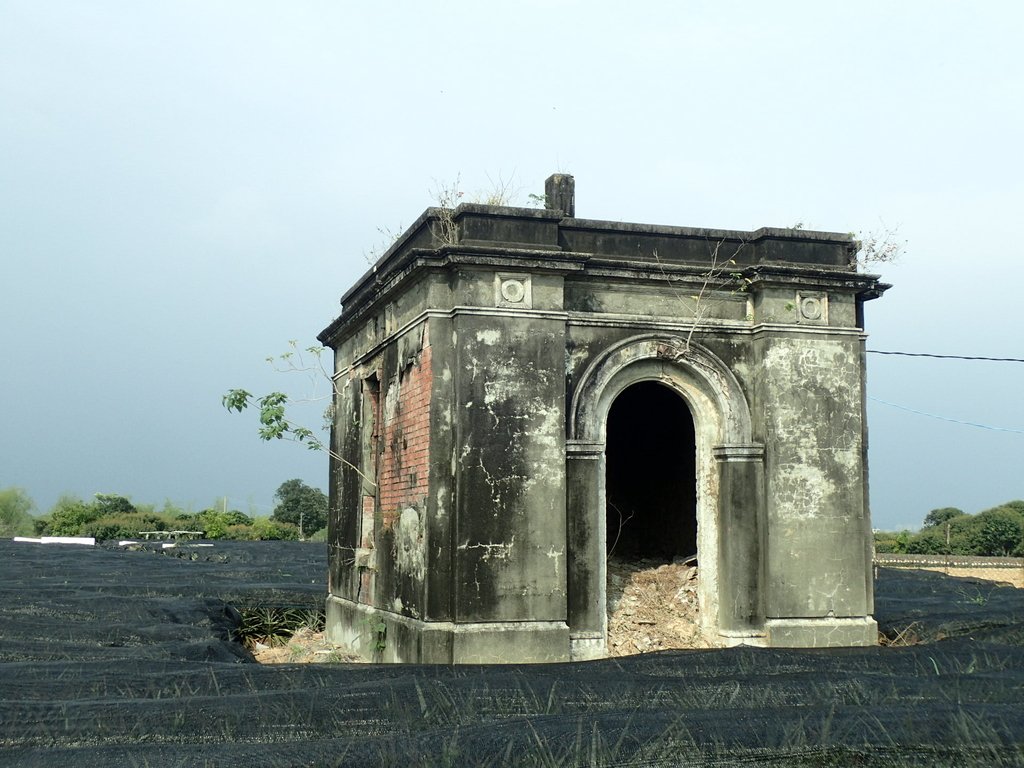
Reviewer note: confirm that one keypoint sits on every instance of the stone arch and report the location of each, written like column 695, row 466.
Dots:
column 722, row 427
column 695, row 372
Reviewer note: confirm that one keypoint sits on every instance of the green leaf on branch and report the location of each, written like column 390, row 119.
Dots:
column 272, row 416
column 236, row 400
column 273, row 421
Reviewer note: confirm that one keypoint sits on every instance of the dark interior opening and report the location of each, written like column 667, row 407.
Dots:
column 651, row 476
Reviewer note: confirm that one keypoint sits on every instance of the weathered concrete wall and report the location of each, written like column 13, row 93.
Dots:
column 510, row 537
column 345, row 492
column 810, row 403
column 379, row 539
column 441, row 514
column 457, row 422
column 812, row 435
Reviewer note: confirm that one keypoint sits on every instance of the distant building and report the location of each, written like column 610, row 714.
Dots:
column 518, row 389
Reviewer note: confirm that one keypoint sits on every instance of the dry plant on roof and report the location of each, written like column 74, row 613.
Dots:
column 448, row 196
column 723, row 273
column 389, row 237
column 882, row 246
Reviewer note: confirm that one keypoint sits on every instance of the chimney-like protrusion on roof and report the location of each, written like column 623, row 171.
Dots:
column 560, row 194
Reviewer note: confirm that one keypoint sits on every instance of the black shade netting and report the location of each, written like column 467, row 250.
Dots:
column 117, row 657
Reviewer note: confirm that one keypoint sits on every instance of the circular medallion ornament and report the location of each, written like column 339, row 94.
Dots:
column 810, row 308
column 513, row 291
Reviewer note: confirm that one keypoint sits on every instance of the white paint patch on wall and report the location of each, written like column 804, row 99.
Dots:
column 490, row 337
column 500, row 390
column 499, row 551
column 808, row 489
column 410, row 544
column 814, row 429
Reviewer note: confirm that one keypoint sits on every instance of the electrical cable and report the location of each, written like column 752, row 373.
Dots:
column 949, row 357
column 946, row 418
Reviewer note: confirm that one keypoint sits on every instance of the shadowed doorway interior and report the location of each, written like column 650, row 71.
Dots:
column 651, row 475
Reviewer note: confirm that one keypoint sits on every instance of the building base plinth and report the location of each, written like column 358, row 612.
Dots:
column 383, row 636
column 822, row 633
column 587, row 647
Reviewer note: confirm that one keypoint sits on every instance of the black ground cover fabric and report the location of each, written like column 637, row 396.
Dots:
column 114, row 657
column 929, row 606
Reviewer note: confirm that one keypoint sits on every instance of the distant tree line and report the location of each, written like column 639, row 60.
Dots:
column 300, row 513
column 996, row 532
column 16, row 508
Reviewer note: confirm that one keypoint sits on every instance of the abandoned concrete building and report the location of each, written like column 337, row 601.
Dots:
column 517, row 389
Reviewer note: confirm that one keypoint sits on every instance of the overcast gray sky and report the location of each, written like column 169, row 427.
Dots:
column 187, row 185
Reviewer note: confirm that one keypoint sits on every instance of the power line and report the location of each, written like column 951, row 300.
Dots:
column 935, row 415
column 946, row 418
column 949, row 357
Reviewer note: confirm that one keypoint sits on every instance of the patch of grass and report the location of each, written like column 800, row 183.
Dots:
column 274, row 624
column 974, row 595
column 900, row 638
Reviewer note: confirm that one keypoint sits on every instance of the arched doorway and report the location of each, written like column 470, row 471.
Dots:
column 727, row 466
column 651, row 486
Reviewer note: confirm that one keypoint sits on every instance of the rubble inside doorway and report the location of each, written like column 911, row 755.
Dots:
column 652, row 606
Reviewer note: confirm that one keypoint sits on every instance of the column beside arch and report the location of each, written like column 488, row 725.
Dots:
column 587, row 567
column 741, row 538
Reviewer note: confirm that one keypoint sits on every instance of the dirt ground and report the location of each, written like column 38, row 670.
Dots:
column 1012, row 576
column 304, row 647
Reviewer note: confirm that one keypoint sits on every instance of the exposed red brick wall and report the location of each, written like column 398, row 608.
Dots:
column 405, row 463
